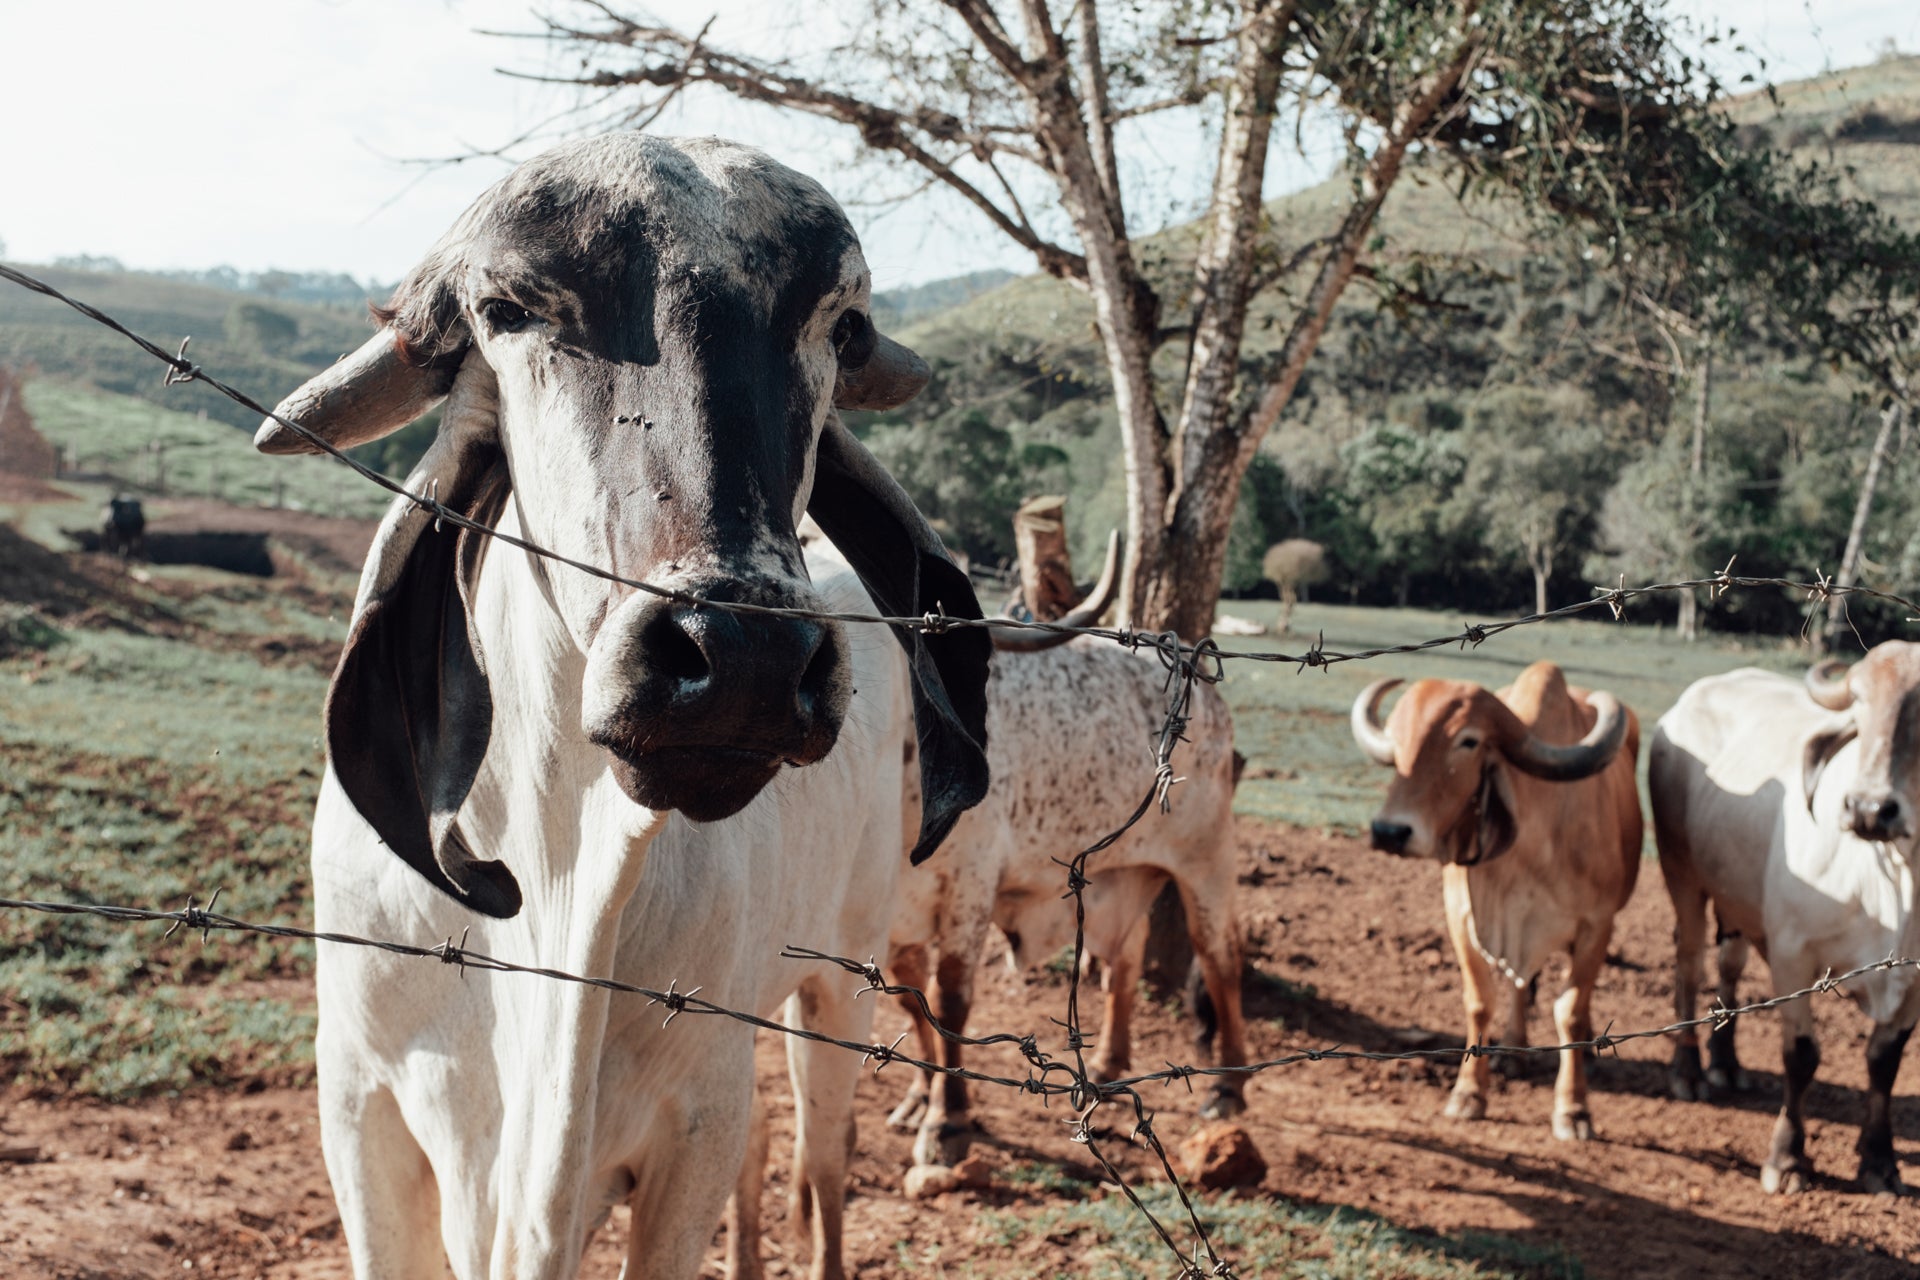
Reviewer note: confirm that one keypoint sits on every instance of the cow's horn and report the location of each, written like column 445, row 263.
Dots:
column 363, row 396
column 1582, row 759
column 1827, row 685
column 1084, row 614
column 1365, row 720
column 892, row 375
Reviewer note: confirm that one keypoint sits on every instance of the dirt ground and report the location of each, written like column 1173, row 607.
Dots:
column 232, row 1185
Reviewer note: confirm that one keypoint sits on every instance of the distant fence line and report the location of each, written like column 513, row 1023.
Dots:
column 1049, row 1076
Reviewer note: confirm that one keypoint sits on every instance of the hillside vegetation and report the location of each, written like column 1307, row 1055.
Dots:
column 1427, row 439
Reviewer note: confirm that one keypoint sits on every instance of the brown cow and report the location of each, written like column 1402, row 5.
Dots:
column 1529, row 802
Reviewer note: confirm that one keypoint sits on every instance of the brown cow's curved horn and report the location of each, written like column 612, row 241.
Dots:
column 892, row 375
column 1084, row 614
column 1827, row 684
column 1582, row 759
column 364, row 396
column 1365, row 720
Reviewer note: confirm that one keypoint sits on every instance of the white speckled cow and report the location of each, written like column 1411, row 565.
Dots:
column 641, row 343
column 1794, row 809
column 1071, row 729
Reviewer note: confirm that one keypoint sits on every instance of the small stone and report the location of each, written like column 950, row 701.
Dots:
column 1220, row 1155
column 973, row 1173
column 924, row 1181
column 239, row 1140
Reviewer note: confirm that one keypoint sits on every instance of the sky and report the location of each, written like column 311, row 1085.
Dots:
column 277, row 133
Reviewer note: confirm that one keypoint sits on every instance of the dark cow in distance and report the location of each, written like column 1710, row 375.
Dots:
column 1527, row 798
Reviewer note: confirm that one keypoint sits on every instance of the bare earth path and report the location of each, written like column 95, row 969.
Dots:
column 232, row 1185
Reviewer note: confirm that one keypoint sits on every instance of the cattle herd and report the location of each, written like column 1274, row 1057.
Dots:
column 643, row 346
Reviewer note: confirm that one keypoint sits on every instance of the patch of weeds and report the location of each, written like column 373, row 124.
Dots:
column 1279, row 988
column 1040, row 1175
column 116, row 1010
column 1061, row 965
column 24, row 631
column 1268, row 1236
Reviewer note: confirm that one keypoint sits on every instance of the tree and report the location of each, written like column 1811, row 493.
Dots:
column 1582, row 109
column 1290, row 566
column 1538, row 468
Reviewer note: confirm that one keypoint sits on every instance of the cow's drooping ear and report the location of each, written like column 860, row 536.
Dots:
column 906, row 570
column 396, row 376
column 409, row 711
column 1489, row 829
column 1819, row 752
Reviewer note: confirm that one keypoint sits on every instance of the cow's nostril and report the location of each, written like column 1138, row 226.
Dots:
column 669, row 650
column 1391, row 837
column 1886, row 812
column 823, row 668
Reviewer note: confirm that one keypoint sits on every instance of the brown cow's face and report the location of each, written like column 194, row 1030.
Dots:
column 1451, row 797
column 1885, row 796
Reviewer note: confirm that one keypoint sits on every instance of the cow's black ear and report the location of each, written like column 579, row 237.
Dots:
column 907, row 571
column 1819, row 752
column 409, row 711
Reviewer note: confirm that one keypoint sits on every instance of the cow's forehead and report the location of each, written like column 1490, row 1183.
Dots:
column 612, row 212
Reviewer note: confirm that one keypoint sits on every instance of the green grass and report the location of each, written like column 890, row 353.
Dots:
column 139, row 770
column 1262, row 1236
column 1303, row 767
column 203, row 457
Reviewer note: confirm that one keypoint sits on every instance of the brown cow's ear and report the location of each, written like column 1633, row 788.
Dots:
column 1494, row 827
column 409, row 711
column 1819, row 752
column 906, row 570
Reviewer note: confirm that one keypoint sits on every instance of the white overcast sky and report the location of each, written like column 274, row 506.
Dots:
column 270, row 133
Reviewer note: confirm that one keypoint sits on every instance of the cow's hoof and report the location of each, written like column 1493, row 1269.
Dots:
column 1222, row 1103
column 1466, row 1106
column 1723, row 1083
column 1787, row 1178
column 945, row 1144
column 1686, row 1088
column 907, row 1116
column 1573, row 1126
column 1882, row 1180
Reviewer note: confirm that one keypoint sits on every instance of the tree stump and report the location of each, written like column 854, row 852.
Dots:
column 1046, row 567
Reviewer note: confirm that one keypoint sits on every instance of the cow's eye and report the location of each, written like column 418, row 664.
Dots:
column 502, row 316
column 853, row 340
column 1467, row 742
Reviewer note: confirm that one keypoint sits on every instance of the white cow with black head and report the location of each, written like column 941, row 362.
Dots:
column 641, row 343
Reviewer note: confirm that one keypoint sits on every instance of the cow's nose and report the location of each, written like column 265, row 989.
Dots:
column 736, row 679
column 1875, row 817
column 1391, row 837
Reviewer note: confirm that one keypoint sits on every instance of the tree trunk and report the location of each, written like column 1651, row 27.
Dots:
column 1890, row 418
column 1289, row 596
column 1539, row 589
column 1688, row 625
column 1046, row 567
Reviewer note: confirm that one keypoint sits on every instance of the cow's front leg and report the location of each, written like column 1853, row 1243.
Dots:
column 1879, row 1170
column 389, row 1206
column 947, row 1130
column 1787, row 1168
column 698, row 1152
column 1517, row 1066
column 1573, row 1019
column 1477, row 991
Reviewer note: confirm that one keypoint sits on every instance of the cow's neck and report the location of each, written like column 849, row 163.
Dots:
column 545, row 801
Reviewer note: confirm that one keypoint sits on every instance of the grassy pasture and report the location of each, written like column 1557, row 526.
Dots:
column 203, row 457
column 1303, row 767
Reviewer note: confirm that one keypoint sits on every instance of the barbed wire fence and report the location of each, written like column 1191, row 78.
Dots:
column 1050, row 1075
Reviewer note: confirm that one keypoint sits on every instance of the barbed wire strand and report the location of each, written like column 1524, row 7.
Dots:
column 1188, row 665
